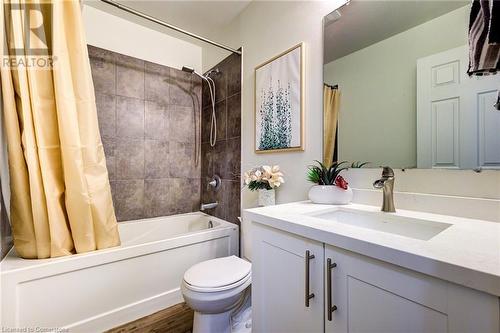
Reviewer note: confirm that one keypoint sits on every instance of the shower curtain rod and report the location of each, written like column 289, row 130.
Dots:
column 170, row 26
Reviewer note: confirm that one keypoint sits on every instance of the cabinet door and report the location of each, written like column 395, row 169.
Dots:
column 376, row 297
column 279, row 282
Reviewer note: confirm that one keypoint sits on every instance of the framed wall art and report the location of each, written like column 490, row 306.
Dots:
column 279, row 102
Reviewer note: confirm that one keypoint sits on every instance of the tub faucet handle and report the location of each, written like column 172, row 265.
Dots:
column 215, row 183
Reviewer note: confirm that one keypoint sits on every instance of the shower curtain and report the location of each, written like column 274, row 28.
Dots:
column 331, row 102
column 60, row 193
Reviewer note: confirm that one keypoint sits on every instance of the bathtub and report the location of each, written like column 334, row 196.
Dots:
column 95, row 291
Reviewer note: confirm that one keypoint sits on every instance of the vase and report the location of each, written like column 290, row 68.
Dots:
column 330, row 195
column 267, row 197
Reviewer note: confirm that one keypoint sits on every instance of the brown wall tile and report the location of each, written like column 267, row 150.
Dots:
column 233, row 116
column 182, row 160
column 224, row 159
column 232, row 155
column 129, row 76
column 148, row 116
column 103, row 70
column 5, row 231
column 233, row 70
column 106, row 113
column 157, row 87
column 128, row 199
column 156, row 121
column 182, row 124
column 232, row 194
column 129, row 117
column 158, row 197
column 129, row 154
column 181, row 89
column 157, row 164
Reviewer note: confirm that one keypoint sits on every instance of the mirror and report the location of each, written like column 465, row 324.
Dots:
column 396, row 91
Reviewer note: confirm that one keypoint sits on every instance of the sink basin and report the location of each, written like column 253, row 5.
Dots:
column 393, row 224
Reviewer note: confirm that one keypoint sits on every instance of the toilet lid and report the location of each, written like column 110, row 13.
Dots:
column 218, row 272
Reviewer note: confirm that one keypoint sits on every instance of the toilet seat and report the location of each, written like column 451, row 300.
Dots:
column 218, row 275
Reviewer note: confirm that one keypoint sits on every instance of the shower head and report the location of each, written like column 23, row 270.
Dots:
column 187, row 69
column 215, row 71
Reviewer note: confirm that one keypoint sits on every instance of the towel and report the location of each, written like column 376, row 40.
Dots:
column 484, row 39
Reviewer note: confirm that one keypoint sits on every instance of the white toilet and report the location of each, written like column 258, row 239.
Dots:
column 214, row 289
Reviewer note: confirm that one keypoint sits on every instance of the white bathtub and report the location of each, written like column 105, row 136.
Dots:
column 99, row 290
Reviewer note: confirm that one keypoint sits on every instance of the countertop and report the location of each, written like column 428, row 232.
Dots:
column 466, row 253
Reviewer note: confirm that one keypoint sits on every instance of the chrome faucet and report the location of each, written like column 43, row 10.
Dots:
column 387, row 184
column 208, row 205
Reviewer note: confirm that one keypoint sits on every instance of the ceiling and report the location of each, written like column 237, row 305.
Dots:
column 363, row 23
column 199, row 17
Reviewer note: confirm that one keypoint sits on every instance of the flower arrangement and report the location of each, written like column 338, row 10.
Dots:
column 322, row 175
column 264, row 178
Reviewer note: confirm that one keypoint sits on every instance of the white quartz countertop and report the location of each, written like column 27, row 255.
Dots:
column 466, row 253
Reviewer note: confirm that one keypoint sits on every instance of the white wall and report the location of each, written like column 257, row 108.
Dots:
column 117, row 34
column 379, row 86
column 267, row 28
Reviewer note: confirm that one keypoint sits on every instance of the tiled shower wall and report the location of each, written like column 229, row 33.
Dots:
column 149, row 119
column 5, row 232
column 224, row 159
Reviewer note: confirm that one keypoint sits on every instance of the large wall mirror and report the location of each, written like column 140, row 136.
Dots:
column 396, row 89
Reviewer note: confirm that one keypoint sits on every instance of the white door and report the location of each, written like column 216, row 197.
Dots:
column 371, row 296
column 279, row 282
column 457, row 125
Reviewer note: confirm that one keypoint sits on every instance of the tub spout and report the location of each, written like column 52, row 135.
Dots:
column 208, row 205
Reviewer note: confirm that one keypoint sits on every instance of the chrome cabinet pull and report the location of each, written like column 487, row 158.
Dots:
column 330, row 308
column 308, row 295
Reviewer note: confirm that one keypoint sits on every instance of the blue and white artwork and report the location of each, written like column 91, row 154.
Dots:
column 278, row 103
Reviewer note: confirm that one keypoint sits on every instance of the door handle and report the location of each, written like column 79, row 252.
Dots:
column 308, row 295
column 329, row 307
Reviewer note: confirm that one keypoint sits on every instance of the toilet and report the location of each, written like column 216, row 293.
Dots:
column 215, row 289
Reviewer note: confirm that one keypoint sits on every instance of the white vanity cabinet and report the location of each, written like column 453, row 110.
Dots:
column 374, row 296
column 368, row 295
column 279, row 277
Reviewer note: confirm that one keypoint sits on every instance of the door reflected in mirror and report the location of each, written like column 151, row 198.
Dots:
column 396, row 89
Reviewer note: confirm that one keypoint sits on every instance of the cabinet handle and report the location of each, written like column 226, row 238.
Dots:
column 308, row 295
column 330, row 308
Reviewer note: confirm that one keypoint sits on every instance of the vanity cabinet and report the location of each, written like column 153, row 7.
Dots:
column 354, row 293
column 279, row 277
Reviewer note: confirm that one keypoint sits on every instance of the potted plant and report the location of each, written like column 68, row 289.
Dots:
column 264, row 179
column 330, row 188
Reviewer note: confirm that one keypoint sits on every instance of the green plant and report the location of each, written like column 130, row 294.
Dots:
column 322, row 175
column 358, row 164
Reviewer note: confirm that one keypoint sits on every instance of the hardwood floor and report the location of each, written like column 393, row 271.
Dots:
column 175, row 319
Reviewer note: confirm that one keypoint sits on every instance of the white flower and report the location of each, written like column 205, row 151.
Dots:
column 267, row 169
column 268, row 175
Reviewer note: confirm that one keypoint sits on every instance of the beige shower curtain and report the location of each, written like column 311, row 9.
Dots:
column 331, row 103
column 60, row 194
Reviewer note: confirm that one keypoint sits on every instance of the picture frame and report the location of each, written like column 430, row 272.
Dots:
column 279, row 102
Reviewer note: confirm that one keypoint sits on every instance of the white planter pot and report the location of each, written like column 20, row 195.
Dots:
column 330, row 195
column 267, row 198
